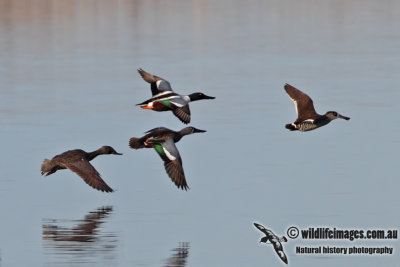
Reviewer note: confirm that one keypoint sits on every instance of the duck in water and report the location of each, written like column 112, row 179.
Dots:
column 77, row 161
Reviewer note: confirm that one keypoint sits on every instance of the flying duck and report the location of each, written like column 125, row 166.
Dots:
column 165, row 99
column 307, row 118
column 163, row 141
column 77, row 161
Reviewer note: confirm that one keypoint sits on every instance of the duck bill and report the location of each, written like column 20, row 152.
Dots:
column 344, row 117
column 208, row 97
column 199, row 131
column 116, row 153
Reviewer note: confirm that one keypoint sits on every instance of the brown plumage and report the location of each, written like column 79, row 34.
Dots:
column 303, row 104
column 78, row 161
column 307, row 118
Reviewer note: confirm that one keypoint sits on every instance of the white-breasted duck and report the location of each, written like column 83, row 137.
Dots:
column 274, row 240
column 307, row 118
column 163, row 141
column 165, row 99
column 77, row 161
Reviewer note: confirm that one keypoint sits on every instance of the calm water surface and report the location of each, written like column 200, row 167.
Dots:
column 68, row 80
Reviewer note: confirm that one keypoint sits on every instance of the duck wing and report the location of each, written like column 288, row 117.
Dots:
column 157, row 84
column 183, row 113
column 157, row 130
column 160, row 134
column 302, row 102
column 89, row 174
column 172, row 161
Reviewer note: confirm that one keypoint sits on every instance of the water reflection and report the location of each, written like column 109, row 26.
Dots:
column 84, row 242
column 178, row 259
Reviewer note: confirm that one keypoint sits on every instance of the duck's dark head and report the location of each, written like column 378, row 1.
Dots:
column 265, row 239
column 199, row 96
column 108, row 150
column 190, row 130
column 334, row 115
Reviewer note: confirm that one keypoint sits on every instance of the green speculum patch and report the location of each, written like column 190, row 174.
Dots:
column 166, row 103
column 159, row 149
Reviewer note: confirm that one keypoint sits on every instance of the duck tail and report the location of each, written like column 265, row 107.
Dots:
column 46, row 167
column 290, row 126
column 136, row 143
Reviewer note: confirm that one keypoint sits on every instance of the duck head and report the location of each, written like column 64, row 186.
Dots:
column 199, row 96
column 334, row 115
column 108, row 150
column 190, row 130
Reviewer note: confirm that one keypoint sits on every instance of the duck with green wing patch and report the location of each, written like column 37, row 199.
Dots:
column 163, row 141
column 165, row 99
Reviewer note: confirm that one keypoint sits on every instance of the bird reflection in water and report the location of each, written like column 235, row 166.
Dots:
column 83, row 242
column 178, row 259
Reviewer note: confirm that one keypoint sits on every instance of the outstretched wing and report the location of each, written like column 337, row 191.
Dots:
column 279, row 250
column 157, row 84
column 183, row 113
column 172, row 161
column 302, row 102
column 262, row 228
column 89, row 174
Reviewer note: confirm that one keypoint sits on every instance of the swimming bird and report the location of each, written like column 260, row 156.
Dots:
column 274, row 240
column 165, row 99
column 307, row 118
column 77, row 161
column 163, row 141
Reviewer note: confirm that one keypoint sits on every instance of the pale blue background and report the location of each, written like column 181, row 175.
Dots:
column 68, row 80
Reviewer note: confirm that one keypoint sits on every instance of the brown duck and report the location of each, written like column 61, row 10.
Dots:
column 77, row 161
column 307, row 118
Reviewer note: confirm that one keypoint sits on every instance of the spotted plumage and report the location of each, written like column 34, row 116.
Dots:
column 78, row 161
column 165, row 99
column 163, row 141
column 307, row 118
column 273, row 240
